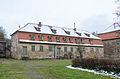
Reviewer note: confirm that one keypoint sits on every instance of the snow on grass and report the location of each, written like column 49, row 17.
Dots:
column 102, row 72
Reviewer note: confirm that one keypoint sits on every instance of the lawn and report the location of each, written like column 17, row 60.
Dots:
column 42, row 69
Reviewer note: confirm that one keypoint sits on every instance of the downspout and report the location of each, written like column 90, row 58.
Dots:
column 54, row 50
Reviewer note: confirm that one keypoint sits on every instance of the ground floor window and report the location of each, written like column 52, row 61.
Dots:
column 32, row 48
column 71, row 49
column 50, row 48
column 65, row 49
column 91, row 50
column 24, row 52
column 77, row 52
column 41, row 48
column 58, row 51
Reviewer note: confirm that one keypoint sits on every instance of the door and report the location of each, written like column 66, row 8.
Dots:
column 58, row 51
column 24, row 50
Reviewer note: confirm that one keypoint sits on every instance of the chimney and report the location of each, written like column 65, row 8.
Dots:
column 74, row 27
column 39, row 24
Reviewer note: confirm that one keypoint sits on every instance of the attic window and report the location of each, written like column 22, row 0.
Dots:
column 53, row 30
column 37, row 28
column 68, row 32
column 78, row 33
column 87, row 34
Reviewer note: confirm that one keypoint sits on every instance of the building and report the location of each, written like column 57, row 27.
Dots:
column 111, row 40
column 44, row 41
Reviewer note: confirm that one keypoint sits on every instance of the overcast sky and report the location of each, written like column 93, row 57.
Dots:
column 90, row 15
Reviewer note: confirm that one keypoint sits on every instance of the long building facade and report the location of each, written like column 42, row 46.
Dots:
column 38, row 41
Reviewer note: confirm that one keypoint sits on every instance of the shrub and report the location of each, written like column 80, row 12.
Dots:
column 105, row 64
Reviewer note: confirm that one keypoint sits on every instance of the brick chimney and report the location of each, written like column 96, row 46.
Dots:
column 39, row 24
column 74, row 27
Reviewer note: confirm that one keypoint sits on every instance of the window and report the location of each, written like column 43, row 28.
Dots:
column 65, row 39
column 83, row 49
column 67, row 32
column 78, row 33
column 118, row 50
column 58, row 39
column 77, row 52
column 91, row 50
column 77, row 40
column 71, row 40
column 71, row 49
column 117, row 34
column 32, row 37
column 53, row 30
column 32, row 48
column 49, row 38
column 41, row 48
column 50, row 48
column 82, row 41
column 65, row 49
column 97, row 50
column 117, row 43
column 91, row 42
column 41, row 37
column 88, row 35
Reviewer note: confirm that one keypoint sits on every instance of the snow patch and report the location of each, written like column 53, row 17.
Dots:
column 101, row 72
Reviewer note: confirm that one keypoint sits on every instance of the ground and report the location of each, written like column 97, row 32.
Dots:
column 42, row 69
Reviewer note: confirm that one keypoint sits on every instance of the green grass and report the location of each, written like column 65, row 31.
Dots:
column 42, row 69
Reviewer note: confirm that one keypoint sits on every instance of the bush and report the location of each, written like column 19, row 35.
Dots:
column 104, row 64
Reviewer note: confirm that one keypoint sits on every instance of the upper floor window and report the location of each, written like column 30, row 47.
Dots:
column 71, row 40
column 117, row 34
column 41, row 37
column 78, row 33
column 77, row 40
column 91, row 42
column 67, row 32
column 37, row 28
column 49, row 38
column 82, row 41
column 32, row 37
column 58, row 38
column 87, row 34
column 53, row 30
column 65, row 39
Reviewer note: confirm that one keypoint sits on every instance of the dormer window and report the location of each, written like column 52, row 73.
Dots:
column 91, row 42
column 82, row 41
column 49, row 38
column 37, row 28
column 67, row 32
column 88, row 35
column 41, row 37
column 53, row 30
column 32, row 37
column 117, row 34
column 58, row 38
column 78, row 33
column 65, row 39
column 71, row 40
column 77, row 40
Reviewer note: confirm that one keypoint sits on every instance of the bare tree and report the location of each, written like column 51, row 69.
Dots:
column 80, row 51
column 2, row 34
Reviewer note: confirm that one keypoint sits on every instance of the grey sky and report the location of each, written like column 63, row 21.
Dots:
column 90, row 15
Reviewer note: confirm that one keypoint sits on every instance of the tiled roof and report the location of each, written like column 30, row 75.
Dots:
column 35, row 28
